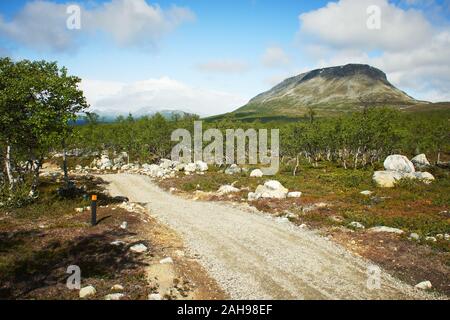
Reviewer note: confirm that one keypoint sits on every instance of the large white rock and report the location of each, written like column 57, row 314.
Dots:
column 87, row 292
column 399, row 163
column 227, row 189
column 420, row 160
column 426, row 177
column 257, row 173
column 271, row 189
column 201, row 166
column 386, row 179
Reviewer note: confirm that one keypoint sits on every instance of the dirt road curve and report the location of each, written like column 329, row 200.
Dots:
column 254, row 256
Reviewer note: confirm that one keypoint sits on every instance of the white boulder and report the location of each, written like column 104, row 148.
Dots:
column 87, row 292
column 425, row 177
column 386, row 179
column 399, row 163
column 356, row 225
column 257, row 173
column 424, row 285
column 420, row 160
column 154, row 296
column 167, row 260
column 166, row 164
column 271, row 189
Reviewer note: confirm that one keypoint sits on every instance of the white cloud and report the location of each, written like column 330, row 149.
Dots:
column 275, row 57
column 223, row 66
column 414, row 53
column 343, row 24
column 156, row 95
column 42, row 24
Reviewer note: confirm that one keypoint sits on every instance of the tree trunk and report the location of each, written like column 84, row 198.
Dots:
column 66, row 174
column 8, row 167
column 35, row 183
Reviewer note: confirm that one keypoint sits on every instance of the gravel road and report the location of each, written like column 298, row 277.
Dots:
column 254, row 256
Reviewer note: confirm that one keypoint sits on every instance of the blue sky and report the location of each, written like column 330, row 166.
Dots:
column 213, row 56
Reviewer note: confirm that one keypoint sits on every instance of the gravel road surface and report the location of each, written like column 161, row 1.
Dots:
column 255, row 256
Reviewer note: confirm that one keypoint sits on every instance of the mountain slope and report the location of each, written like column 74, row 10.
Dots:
column 327, row 91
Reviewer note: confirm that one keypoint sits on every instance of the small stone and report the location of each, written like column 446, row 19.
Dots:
column 124, row 225
column 117, row 287
column 114, row 296
column 139, row 248
column 154, row 296
column 356, row 225
column 257, row 173
column 386, row 229
column 87, row 292
column 431, row 239
column 424, row 285
column 79, row 210
column 366, row 193
column 167, row 260
column 117, row 243
column 414, row 236
column 446, row 236
column 294, row 194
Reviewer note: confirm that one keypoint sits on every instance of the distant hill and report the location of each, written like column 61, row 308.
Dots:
column 328, row 91
column 111, row 116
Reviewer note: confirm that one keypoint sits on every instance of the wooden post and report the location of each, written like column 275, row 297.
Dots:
column 94, row 210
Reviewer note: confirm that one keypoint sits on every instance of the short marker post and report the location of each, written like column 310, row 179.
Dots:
column 94, row 210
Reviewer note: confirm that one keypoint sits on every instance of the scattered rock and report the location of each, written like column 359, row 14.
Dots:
column 386, row 179
column 414, row 236
column 420, row 161
column 114, row 296
column 167, row 260
column 366, row 192
column 117, row 243
column 124, row 225
column 294, row 194
column 154, row 296
column 201, row 166
column 356, row 225
column 257, row 173
column 399, row 163
column 139, row 248
column 190, row 167
column 431, row 239
column 225, row 189
column 117, row 287
column 386, row 229
column 424, row 285
column 79, row 210
column 233, row 169
column 87, row 292
column 426, row 177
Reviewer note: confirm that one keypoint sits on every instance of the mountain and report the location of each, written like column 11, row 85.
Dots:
column 327, row 91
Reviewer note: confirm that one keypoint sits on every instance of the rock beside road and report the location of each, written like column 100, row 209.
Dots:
column 424, row 285
column 399, row 163
column 420, row 161
column 386, row 229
